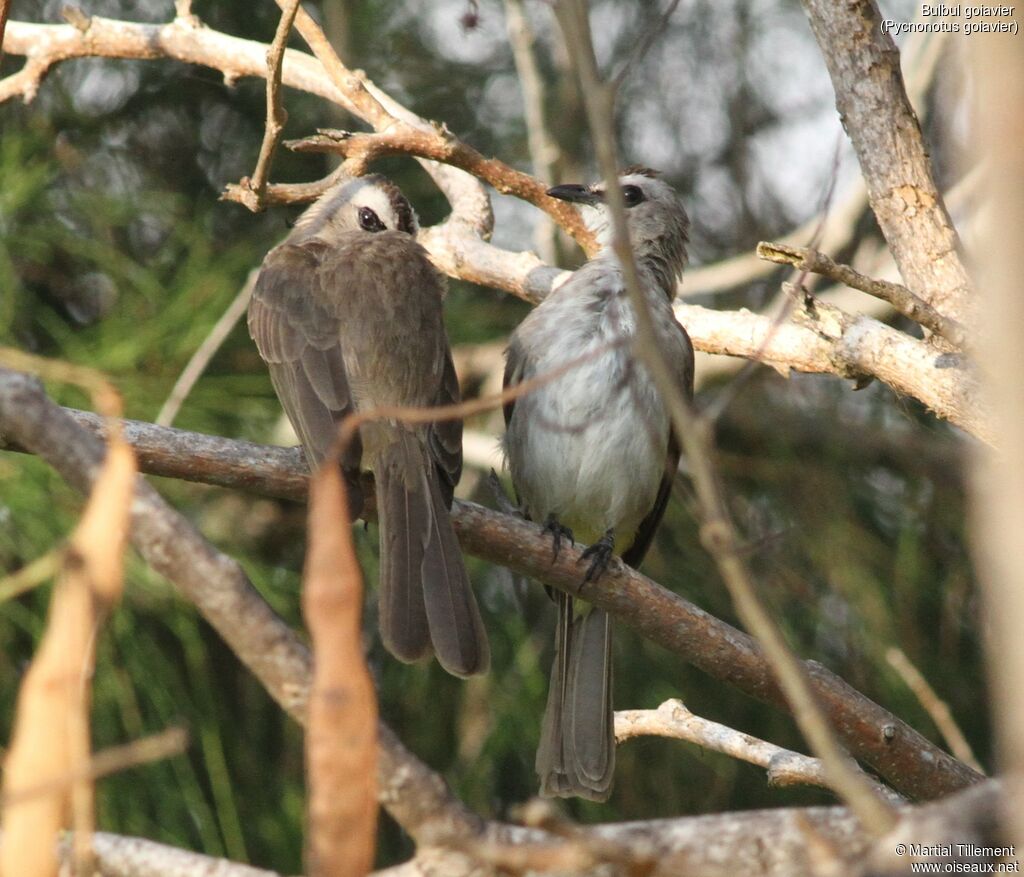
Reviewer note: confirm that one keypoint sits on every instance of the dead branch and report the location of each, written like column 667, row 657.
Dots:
column 254, row 190
column 439, row 144
column 673, row 719
column 68, row 441
column 901, row 298
column 864, row 64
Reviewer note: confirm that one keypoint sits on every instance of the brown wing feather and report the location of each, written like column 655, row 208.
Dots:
column 445, row 436
column 299, row 341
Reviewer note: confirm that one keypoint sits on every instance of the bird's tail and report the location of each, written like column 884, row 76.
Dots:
column 576, row 756
column 426, row 602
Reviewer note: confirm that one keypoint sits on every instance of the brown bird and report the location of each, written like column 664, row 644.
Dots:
column 347, row 314
column 592, row 454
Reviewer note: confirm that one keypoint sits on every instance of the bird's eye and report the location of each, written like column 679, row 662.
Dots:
column 370, row 221
column 632, row 195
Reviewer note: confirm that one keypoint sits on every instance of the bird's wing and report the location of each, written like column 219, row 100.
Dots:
column 516, row 366
column 445, row 436
column 679, row 351
column 298, row 338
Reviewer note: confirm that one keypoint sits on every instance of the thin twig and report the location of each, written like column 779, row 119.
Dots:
column 641, row 49
column 277, row 116
column 936, row 708
column 115, row 759
column 439, row 144
column 31, row 575
column 717, row 530
column 199, row 360
column 902, row 299
column 784, row 767
column 543, row 148
column 5, row 9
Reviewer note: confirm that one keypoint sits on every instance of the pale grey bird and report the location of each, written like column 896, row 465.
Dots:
column 347, row 314
column 592, row 455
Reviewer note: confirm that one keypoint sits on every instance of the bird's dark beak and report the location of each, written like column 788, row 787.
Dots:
column 574, row 193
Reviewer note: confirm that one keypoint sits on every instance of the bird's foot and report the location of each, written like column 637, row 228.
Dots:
column 600, row 555
column 558, row 533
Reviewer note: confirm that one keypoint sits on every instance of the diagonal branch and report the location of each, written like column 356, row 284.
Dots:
column 908, row 762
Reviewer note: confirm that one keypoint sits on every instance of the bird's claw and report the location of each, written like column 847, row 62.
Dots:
column 558, row 533
column 600, row 555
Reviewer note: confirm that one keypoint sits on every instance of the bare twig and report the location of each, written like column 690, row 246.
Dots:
column 673, row 719
column 31, row 575
column 643, row 46
column 544, row 151
column 717, row 531
column 146, row 750
column 69, row 441
column 360, row 150
column 120, row 856
column 199, row 360
column 936, row 708
column 256, row 188
column 901, row 298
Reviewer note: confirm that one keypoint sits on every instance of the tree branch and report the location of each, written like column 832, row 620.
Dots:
column 901, row 298
column 864, row 64
column 672, row 719
column 863, row 348
column 254, row 190
column 414, row 795
column 908, row 762
column 439, row 144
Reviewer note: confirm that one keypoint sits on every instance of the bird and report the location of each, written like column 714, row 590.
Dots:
column 592, row 454
column 347, row 315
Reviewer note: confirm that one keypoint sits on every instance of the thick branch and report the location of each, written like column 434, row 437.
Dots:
column 908, row 762
column 864, row 64
column 412, row 793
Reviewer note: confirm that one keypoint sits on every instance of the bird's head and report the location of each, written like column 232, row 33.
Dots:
column 658, row 224
column 367, row 204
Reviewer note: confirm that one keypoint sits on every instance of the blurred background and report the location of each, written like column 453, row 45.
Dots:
column 115, row 252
